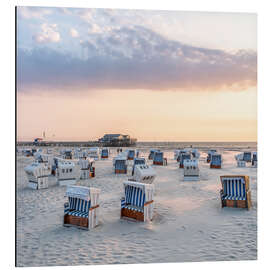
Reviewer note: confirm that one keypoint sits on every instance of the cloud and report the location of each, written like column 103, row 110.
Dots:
column 33, row 12
column 73, row 32
column 48, row 34
column 137, row 58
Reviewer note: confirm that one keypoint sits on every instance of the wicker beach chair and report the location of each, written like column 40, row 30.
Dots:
column 82, row 208
column 120, row 165
column 137, row 204
column 37, row 174
column 235, row 191
column 144, row 174
column 104, row 153
column 159, row 159
column 216, row 161
column 191, row 169
column 66, row 173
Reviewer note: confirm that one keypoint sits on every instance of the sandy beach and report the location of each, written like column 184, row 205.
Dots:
column 188, row 225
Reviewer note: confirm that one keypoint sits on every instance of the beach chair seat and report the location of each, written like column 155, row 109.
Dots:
column 81, row 210
column 138, row 201
column 235, row 191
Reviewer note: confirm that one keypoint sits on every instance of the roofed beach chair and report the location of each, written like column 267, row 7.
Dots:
column 152, row 153
column 159, row 159
column 210, row 152
column 66, row 173
column 38, row 175
column 247, row 156
column 144, row 174
column 182, row 157
column 191, row 169
column 235, row 191
column 87, row 168
column 104, row 153
column 130, row 154
column 82, row 208
column 216, row 161
column 138, row 161
column 138, row 201
column 254, row 160
column 120, row 165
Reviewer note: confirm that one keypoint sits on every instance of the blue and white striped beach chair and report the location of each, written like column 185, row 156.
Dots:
column 235, row 191
column 104, row 153
column 216, row 161
column 138, row 201
column 158, row 159
column 120, row 165
column 82, row 207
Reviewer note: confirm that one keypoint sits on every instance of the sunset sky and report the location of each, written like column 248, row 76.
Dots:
column 156, row 75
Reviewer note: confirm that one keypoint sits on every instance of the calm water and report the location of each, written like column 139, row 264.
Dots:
column 236, row 146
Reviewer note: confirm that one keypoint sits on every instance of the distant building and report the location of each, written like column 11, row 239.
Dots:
column 117, row 140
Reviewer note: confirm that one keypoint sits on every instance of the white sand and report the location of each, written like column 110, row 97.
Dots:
column 189, row 223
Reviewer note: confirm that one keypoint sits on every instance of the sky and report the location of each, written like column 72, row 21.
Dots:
column 155, row 75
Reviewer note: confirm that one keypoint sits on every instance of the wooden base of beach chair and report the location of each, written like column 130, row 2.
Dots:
column 238, row 203
column 215, row 166
column 120, row 171
column 160, row 163
column 132, row 214
column 80, row 222
column 181, row 166
column 104, row 157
